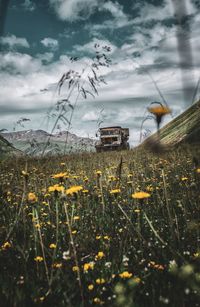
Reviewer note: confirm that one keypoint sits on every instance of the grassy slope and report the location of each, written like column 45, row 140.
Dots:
column 184, row 128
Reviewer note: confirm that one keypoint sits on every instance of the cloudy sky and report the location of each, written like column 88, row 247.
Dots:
column 149, row 39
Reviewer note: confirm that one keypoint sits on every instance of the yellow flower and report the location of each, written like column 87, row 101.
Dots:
column 56, row 187
column 100, row 281
column 57, row 265
column 38, row 259
column 98, row 237
column 184, row 178
column 99, row 256
column 59, row 176
column 125, row 275
column 74, row 189
column 140, row 195
column 88, row 266
column 106, row 238
column 97, row 300
column 98, row 173
column 75, row 268
column 32, row 197
column 137, row 210
column 90, row 287
column 52, row 246
column 74, row 232
column 159, row 110
column 25, row 174
column 115, row 191
column 76, row 218
column 6, row 245
column 198, row 170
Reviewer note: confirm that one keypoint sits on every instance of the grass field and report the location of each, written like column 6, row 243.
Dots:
column 76, row 232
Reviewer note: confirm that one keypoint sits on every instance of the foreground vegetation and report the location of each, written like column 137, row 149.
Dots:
column 76, row 232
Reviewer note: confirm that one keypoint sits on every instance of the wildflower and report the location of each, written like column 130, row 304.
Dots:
column 98, row 173
column 85, row 191
column 90, row 287
column 99, row 256
column 62, row 163
column 75, row 268
column 56, row 188
column 97, row 300
column 137, row 210
column 98, row 237
column 6, row 245
column 32, row 197
column 100, row 281
column 76, row 218
column 115, row 191
column 66, row 255
column 198, row 170
column 74, row 189
column 184, row 179
column 74, row 232
column 140, row 195
column 57, row 265
column 59, row 176
column 52, row 246
column 88, row 266
column 125, row 275
column 38, row 259
column 25, row 174
column 159, row 110
column 106, row 238
column 197, row 255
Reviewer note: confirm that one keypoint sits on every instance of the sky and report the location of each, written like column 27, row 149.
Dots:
column 149, row 40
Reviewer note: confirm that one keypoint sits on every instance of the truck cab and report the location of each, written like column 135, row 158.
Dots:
column 112, row 138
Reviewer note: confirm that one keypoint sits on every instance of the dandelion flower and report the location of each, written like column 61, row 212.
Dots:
column 99, row 256
column 140, row 195
column 32, row 197
column 56, row 188
column 90, row 287
column 59, row 176
column 74, row 189
column 38, row 259
column 125, row 275
column 52, row 246
column 115, row 191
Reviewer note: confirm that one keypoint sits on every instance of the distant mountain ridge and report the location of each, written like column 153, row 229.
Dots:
column 33, row 141
column 6, row 149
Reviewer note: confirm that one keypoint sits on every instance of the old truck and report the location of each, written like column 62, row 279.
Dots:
column 112, row 138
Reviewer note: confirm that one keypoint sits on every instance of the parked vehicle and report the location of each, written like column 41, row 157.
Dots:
column 113, row 138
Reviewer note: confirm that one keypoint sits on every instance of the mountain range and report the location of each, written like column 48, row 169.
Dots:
column 33, row 142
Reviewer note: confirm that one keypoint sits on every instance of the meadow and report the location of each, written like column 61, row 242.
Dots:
column 112, row 229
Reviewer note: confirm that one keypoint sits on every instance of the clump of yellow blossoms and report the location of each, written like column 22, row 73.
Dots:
column 56, row 188
column 115, row 191
column 125, row 275
column 99, row 256
column 32, row 197
column 140, row 195
column 38, row 259
column 6, row 245
column 59, row 176
column 88, row 266
column 74, row 189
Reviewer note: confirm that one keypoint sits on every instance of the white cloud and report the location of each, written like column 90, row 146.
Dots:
column 114, row 8
column 50, row 43
column 71, row 10
column 12, row 41
column 90, row 116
